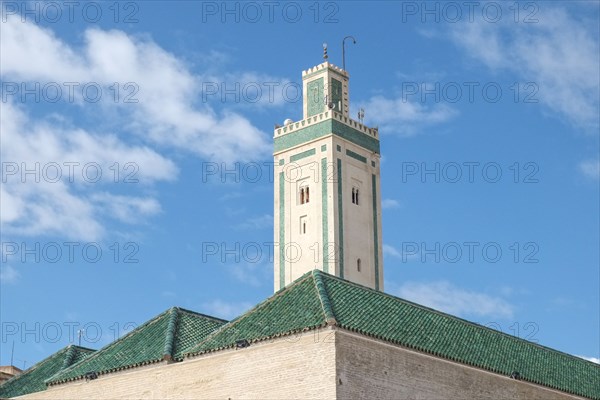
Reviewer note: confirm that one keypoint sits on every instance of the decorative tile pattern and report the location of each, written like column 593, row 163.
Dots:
column 302, row 155
column 356, row 156
column 324, row 128
column 325, row 214
column 375, row 230
column 315, row 95
column 336, row 94
column 281, row 229
column 340, row 245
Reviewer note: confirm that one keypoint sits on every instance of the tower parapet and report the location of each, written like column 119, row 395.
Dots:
column 324, row 65
column 352, row 123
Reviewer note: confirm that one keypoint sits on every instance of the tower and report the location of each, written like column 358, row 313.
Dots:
column 327, row 196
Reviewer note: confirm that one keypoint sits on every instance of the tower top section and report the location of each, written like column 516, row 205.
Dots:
column 325, row 88
column 325, row 106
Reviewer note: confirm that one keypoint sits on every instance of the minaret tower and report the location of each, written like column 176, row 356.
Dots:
column 327, row 194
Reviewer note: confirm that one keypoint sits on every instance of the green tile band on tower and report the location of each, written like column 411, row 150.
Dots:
column 325, row 212
column 340, row 243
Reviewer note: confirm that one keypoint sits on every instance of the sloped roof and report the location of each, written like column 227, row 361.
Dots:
column 33, row 379
column 318, row 299
column 165, row 337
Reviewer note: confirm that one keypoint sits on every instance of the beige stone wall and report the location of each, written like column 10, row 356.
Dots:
column 293, row 367
column 368, row 369
column 323, row 364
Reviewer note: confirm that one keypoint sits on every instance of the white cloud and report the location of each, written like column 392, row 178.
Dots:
column 255, row 90
column 559, row 54
column 405, row 116
column 394, row 252
column 252, row 273
column 165, row 112
column 126, row 208
column 390, row 250
column 389, row 203
column 590, row 168
column 224, row 309
column 509, row 291
column 166, row 116
column 8, row 275
column 451, row 299
column 41, row 203
column 592, row 359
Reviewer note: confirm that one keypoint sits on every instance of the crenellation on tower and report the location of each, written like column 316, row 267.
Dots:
column 350, row 122
column 324, row 65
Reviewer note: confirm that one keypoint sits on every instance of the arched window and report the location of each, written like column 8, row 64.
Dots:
column 358, row 265
column 303, row 224
column 304, row 195
column 355, row 195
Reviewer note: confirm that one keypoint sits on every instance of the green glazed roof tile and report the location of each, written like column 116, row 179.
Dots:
column 318, row 298
column 165, row 337
column 293, row 309
column 395, row 320
column 33, row 379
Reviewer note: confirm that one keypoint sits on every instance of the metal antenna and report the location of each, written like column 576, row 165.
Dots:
column 12, row 353
column 80, row 333
column 344, row 50
column 325, row 56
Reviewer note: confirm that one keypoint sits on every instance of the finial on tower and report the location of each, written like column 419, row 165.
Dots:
column 325, row 56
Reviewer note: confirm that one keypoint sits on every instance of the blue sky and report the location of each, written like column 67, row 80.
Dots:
column 489, row 121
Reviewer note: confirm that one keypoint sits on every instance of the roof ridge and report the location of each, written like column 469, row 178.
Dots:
column 170, row 337
column 324, row 297
column 236, row 320
column 68, row 352
column 41, row 362
column 68, row 361
column 81, row 347
column 441, row 313
column 68, row 357
column 108, row 346
column 199, row 314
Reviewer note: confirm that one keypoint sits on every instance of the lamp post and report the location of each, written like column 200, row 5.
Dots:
column 344, row 50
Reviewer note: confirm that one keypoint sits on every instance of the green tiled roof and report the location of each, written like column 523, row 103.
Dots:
column 296, row 308
column 32, row 380
column 165, row 337
column 318, row 299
